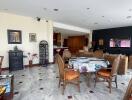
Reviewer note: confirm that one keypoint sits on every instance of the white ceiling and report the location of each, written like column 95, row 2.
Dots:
column 66, row 33
column 102, row 13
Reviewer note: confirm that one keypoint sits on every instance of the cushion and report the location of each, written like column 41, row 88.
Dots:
column 71, row 74
column 104, row 73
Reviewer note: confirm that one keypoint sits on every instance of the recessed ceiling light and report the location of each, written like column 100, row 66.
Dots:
column 56, row 9
column 102, row 16
column 45, row 8
column 87, row 8
column 130, row 10
column 128, row 17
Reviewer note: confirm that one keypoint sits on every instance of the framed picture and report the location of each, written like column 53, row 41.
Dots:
column 14, row 36
column 101, row 42
column 32, row 37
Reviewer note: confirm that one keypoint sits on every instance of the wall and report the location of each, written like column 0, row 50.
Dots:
column 107, row 34
column 43, row 29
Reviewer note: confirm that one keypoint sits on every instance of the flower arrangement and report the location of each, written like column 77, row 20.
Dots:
column 32, row 56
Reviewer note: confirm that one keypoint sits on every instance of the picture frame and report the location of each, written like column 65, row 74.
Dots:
column 14, row 36
column 32, row 37
column 101, row 42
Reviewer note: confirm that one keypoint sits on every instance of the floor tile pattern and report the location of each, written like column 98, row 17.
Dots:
column 41, row 83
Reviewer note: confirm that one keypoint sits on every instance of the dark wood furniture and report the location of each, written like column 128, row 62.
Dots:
column 67, row 75
column 76, row 43
column 15, row 60
column 128, row 94
column 130, row 62
column 123, row 66
column 43, row 53
column 57, row 39
column 1, row 60
column 109, row 73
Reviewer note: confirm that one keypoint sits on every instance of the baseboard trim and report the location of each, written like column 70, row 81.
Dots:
column 34, row 65
column 7, row 68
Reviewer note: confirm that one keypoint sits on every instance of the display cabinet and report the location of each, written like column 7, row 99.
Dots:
column 15, row 60
column 43, row 53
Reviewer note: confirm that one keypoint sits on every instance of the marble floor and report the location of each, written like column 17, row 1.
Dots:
column 41, row 83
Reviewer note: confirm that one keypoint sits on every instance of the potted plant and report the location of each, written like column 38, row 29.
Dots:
column 31, row 57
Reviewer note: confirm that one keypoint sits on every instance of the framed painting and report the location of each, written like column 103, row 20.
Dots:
column 14, row 36
column 32, row 37
column 101, row 42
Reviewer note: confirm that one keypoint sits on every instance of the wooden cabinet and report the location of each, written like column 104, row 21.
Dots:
column 15, row 60
column 76, row 43
column 57, row 39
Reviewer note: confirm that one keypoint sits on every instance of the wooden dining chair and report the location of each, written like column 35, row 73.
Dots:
column 66, row 56
column 67, row 75
column 1, row 61
column 128, row 94
column 98, row 53
column 108, row 75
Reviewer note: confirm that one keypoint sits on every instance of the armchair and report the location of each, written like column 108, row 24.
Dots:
column 108, row 75
column 128, row 93
column 67, row 75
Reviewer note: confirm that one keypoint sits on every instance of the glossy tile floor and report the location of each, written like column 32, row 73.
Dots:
column 40, row 83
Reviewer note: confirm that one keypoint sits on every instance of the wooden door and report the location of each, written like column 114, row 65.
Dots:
column 76, row 43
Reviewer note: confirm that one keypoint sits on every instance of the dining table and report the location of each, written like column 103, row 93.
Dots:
column 88, row 65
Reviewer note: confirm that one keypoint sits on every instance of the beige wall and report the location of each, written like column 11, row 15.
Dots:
column 43, row 29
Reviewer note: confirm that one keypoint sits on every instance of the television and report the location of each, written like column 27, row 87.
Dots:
column 120, row 42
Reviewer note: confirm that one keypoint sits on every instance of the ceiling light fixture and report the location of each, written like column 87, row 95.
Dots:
column 56, row 9
column 128, row 17
column 102, row 16
column 130, row 10
column 96, row 23
column 45, row 8
column 87, row 8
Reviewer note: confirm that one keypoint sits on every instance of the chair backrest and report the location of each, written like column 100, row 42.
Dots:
column 61, row 65
column 98, row 54
column 115, row 65
column 66, row 54
column 128, row 91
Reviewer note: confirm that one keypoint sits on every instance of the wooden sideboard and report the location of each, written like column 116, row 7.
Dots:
column 76, row 43
column 15, row 60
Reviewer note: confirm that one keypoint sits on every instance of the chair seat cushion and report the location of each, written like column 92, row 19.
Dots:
column 71, row 74
column 104, row 73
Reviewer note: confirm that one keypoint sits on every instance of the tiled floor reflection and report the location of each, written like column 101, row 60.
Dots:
column 40, row 83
